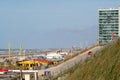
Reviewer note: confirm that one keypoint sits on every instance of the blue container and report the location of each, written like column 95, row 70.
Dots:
column 46, row 67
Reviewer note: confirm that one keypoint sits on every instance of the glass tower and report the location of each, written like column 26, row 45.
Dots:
column 108, row 25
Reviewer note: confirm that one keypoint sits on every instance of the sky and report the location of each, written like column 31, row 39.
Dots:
column 50, row 23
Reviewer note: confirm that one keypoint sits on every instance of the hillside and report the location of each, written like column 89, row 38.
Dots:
column 103, row 66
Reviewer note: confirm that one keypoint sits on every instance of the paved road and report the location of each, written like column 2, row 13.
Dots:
column 70, row 63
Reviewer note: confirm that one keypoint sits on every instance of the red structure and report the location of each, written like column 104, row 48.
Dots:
column 113, row 35
column 3, row 71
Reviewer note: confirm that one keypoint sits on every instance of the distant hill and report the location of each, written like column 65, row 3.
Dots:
column 102, row 66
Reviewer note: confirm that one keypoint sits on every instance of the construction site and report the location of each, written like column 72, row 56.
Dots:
column 28, row 65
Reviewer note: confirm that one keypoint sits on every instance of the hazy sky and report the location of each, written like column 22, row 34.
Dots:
column 50, row 23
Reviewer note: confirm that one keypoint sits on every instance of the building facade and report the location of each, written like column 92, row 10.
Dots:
column 109, row 27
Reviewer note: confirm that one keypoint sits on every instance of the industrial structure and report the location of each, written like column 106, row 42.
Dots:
column 109, row 25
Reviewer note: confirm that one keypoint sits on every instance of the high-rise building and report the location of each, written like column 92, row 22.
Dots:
column 109, row 25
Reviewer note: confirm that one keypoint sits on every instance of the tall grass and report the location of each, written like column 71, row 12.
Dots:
column 102, row 66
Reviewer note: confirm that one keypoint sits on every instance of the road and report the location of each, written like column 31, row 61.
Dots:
column 55, row 71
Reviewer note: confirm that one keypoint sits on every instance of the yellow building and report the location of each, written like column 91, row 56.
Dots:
column 31, row 64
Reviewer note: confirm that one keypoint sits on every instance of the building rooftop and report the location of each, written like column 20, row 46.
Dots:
column 107, row 9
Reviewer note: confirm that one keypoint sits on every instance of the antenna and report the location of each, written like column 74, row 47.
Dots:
column 9, row 47
column 20, row 49
column 24, row 51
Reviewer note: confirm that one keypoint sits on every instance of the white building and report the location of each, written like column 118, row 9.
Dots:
column 109, row 25
column 54, row 55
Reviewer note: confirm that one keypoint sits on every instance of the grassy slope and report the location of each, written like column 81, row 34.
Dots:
column 103, row 66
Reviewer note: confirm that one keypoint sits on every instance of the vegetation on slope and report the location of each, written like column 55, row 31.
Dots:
column 102, row 66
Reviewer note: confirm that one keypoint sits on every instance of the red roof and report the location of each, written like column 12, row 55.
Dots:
column 43, row 60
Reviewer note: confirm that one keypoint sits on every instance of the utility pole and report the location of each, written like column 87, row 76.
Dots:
column 21, row 78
